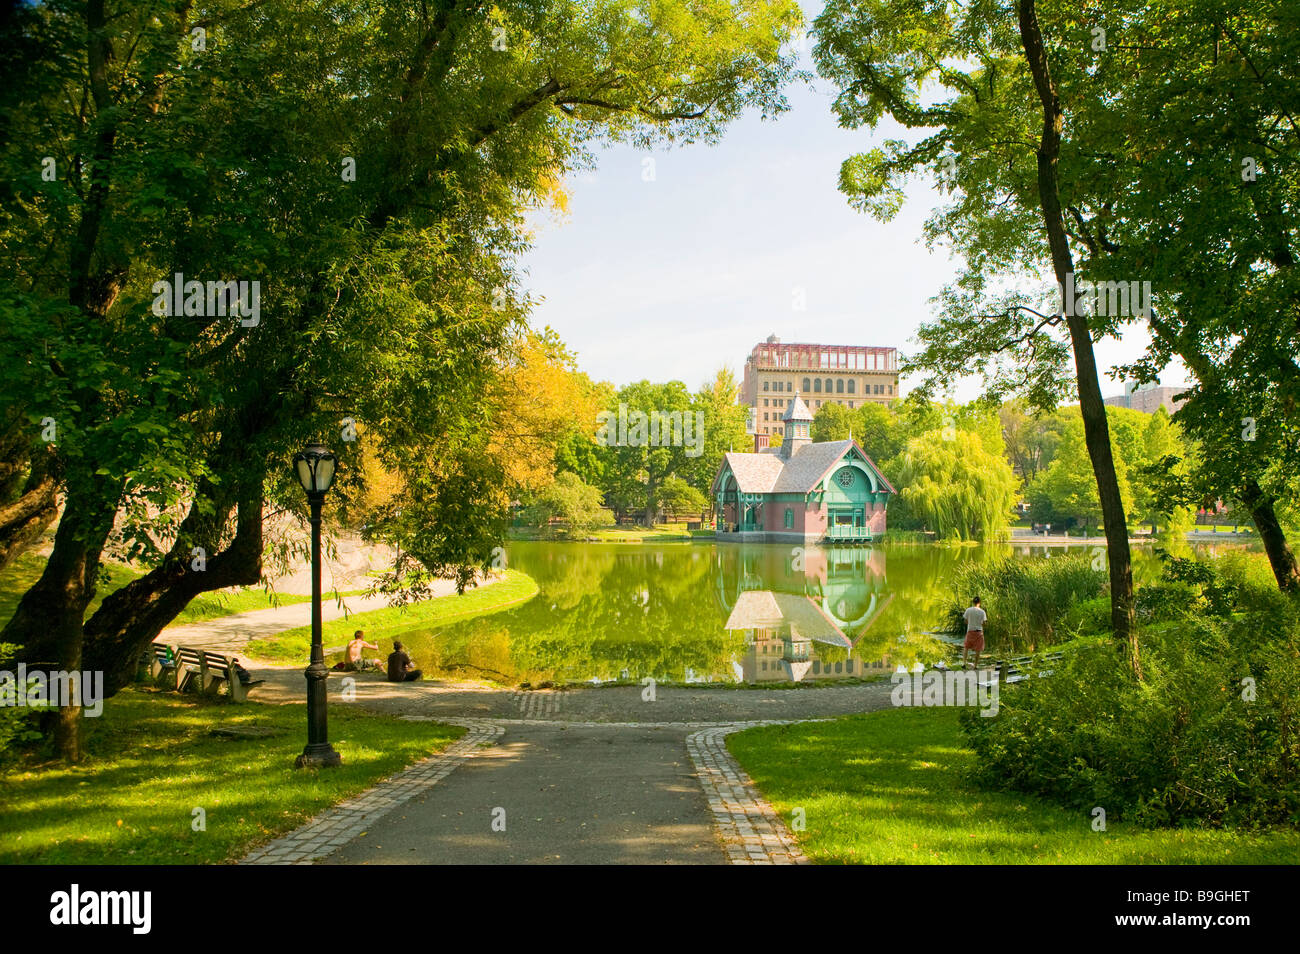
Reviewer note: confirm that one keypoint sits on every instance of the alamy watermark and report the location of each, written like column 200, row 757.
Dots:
column 1114, row 299
column 944, row 687
column 39, row 689
column 656, row 429
column 241, row 300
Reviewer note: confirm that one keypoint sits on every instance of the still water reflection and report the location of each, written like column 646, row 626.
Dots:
column 704, row 613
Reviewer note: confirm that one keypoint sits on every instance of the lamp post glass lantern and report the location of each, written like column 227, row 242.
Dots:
column 315, row 466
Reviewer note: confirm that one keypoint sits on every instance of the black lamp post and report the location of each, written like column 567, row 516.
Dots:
column 315, row 465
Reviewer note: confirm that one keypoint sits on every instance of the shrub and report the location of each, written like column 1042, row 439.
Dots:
column 1210, row 737
column 17, row 723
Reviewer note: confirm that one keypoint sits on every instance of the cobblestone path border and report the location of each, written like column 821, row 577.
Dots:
column 336, row 826
column 751, row 830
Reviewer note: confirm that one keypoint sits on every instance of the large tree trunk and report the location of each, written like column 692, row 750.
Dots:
column 1280, row 556
column 47, row 623
column 132, row 617
column 1095, row 428
column 650, row 508
column 1261, row 506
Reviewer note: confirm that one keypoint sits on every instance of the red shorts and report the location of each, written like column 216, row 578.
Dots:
column 975, row 640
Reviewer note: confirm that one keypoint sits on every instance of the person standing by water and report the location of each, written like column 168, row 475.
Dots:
column 975, row 617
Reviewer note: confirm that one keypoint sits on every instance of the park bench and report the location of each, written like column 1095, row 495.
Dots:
column 204, row 668
column 157, row 659
column 219, row 669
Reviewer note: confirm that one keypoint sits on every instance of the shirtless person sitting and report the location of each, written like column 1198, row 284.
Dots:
column 352, row 657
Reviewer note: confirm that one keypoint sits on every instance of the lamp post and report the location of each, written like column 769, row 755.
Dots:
column 315, row 465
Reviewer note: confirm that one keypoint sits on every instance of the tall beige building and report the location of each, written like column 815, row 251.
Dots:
column 851, row 375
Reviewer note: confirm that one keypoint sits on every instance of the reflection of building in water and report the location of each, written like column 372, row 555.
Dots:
column 803, row 611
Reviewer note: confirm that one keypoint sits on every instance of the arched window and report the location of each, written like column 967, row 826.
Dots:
column 817, row 385
column 807, row 386
column 853, row 385
column 789, row 518
column 839, row 385
column 829, row 386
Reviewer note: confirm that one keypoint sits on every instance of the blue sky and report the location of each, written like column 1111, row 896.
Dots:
column 675, row 277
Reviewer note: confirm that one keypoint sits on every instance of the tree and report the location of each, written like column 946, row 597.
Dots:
column 680, row 499
column 955, row 486
column 1065, row 493
column 1001, row 102
column 724, row 429
column 540, row 401
column 374, row 181
column 651, row 434
column 576, row 504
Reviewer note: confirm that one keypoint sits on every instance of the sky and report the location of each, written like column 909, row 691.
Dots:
column 676, row 275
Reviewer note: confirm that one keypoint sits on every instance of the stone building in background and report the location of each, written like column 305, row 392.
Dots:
column 851, row 375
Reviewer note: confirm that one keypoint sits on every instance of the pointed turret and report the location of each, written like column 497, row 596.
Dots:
column 797, row 420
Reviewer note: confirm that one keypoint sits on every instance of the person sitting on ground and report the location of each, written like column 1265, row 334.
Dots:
column 352, row 657
column 975, row 617
column 400, row 667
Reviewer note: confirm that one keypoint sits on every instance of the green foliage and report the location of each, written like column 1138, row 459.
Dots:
column 1210, row 737
column 1028, row 600
column 576, row 504
column 17, row 723
column 954, row 485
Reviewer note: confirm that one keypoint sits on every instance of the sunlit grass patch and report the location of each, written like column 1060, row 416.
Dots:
column 891, row 788
column 152, row 760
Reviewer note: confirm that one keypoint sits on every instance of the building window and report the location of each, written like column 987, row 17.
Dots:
column 806, row 386
column 764, row 385
column 765, row 415
column 850, row 403
column 891, row 389
column 852, row 387
column 789, row 518
column 839, row 386
column 817, row 385
column 829, row 386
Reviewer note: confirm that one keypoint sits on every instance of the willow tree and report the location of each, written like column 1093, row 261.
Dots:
column 960, row 489
column 370, row 165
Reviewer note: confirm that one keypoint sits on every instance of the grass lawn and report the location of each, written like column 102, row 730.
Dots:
column 295, row 644
column 23, row 572
column 889, row 788
column 151, row 761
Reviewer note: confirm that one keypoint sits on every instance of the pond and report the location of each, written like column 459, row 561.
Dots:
column 705, row 612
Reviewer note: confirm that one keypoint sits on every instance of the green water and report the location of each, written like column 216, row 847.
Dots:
column 704, row 612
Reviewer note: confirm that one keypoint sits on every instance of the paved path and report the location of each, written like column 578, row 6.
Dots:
column 580, row 776
column 576, row 776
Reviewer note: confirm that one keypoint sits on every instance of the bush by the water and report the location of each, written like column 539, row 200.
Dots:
column 1211, row 736
column 1027, row 600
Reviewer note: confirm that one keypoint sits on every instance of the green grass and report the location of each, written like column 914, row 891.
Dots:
column 295, row 644
column 151, row 761
column 19, row 576
column 890, row 788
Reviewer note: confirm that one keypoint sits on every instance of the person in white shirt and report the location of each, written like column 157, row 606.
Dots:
column 975, row 617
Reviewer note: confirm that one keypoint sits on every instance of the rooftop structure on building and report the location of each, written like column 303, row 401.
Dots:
column 851, row 375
